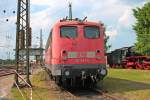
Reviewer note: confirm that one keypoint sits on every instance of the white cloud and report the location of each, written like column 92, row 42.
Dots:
column 46, row 18
column 43, row 2
column 50, row 3
column 97, row 10
column 127, row 19
column 114, row 13
column 112, row 33
column 41, row 21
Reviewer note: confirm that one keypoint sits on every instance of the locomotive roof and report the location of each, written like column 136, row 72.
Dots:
column 73, row 22
column 77, row 22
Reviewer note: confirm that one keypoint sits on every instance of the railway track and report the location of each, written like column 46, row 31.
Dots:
column 105, row 94
column 6, row 70
column 9, row 70
column 81, row 94
column 84, row 94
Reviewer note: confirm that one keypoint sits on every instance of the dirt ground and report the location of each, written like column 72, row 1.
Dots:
column 6, row 82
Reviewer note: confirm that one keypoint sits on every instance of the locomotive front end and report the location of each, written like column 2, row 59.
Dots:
column 81, row 64
column 78, row 53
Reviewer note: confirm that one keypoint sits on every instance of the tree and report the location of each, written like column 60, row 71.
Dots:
column 106, row 38
column 107, row 46
column 142, row 29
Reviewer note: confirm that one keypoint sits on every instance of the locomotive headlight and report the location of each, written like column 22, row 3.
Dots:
column 67, row 73
column 83, row 72
column 64, row 55
column 103, row 71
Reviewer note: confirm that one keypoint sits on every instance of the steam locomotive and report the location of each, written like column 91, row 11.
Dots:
column 74, row 53
column 127, row 57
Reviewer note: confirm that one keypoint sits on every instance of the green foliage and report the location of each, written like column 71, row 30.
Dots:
column 107, row 46
column 142, row 28
column 106, row 38
column 42, row 89
column 7, row 61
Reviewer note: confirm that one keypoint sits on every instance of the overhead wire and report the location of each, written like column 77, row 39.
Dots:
column 6, row 23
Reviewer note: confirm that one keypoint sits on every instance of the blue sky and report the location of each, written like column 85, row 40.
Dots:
column 117, row 16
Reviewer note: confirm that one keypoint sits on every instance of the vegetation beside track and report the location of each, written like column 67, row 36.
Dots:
column 122, row 83
column 128, row 83
column 42, row 89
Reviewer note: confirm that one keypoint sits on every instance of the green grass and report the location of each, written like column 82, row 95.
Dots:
column 122, row 83
column 41, row 89
column 129, row 83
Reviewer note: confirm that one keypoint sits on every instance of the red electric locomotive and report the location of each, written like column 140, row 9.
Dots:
column 75, row 52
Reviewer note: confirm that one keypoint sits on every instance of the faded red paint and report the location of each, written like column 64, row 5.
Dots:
column 81, row 45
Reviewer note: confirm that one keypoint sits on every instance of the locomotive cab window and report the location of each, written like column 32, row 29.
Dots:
column 91, row 32
column 68, row 31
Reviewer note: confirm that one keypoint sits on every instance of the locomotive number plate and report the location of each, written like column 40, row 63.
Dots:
column 81, row 54
column 82, row 60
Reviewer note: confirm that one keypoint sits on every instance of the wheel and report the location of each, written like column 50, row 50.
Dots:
column 66, row 83
column 138, row 66
column 129, row 67
column 57, row 80
column 146, row 67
